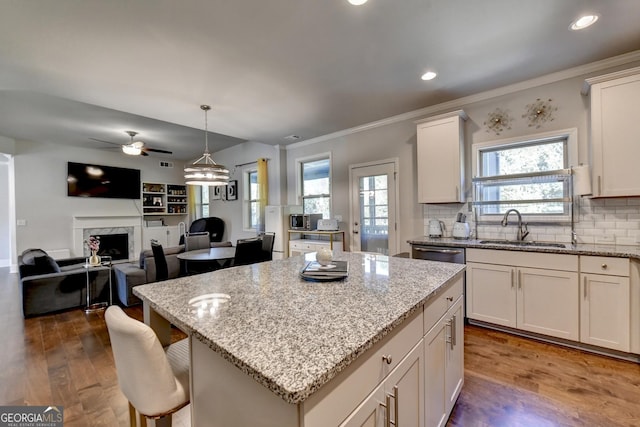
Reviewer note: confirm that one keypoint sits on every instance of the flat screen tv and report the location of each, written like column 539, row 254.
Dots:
column 86, row 180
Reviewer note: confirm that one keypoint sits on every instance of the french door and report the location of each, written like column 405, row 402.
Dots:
column 373, row 200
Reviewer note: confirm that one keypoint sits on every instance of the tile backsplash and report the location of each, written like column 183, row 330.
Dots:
column 614, row 221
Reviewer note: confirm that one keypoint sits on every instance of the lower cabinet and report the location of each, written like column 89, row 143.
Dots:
column 167, row 236
column 605, row 302
column 519, row 293
column 444, row 365
column 398, row 400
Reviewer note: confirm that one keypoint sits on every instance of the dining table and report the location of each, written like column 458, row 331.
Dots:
column 223, row 255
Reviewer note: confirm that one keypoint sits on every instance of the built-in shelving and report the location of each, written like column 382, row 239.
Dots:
column 164, row 199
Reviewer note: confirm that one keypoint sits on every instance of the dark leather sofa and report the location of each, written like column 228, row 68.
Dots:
column 49, row 286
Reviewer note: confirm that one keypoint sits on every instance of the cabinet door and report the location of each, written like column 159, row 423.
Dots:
column 440, row 160
column 614, row 112
column 435, row 343
column 491, row 293
column 604, row 312
column 370, row 413
column 156, row 233
column 404, row 390
column 548, row 302
column 454, row 373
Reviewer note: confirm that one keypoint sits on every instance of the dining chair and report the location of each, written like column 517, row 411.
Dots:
column 195, row 241
column 268, row 239
column 248, row 251
column 154, row 380
column 162, row 270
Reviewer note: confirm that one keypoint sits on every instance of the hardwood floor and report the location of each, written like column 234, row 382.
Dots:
column 65, row 359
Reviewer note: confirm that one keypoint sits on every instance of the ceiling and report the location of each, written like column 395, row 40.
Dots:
column 74, row 70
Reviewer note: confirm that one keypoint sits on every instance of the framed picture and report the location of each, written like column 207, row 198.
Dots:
column 157, row 201
column 217, row 192
column 232, row 190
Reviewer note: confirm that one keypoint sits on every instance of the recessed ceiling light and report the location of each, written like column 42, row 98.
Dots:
column 429, row 75
column 357, row 2
column 583, row 22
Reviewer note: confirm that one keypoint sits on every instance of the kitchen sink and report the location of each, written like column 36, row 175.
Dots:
column 523, row 243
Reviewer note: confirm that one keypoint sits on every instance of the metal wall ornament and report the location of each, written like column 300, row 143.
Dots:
column 540, row 112
column 498, row 120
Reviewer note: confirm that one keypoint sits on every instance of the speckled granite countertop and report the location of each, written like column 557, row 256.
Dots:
column 291, row 335
column 619, row 251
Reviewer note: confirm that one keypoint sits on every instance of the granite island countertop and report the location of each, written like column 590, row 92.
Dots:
column 619, row 251
column 291, row 335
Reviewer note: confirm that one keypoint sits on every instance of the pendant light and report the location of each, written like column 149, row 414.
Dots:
column 205, row 171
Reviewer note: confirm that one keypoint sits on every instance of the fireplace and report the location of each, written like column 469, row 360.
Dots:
column 106, row 227
column 114, row 245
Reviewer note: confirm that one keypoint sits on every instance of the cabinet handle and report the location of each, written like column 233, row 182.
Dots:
column 599, row 186
column 519, row 279
column 585, row 287
column 387, row 358
column 450, row 299
column 604, row 266
column 388, row 422
column 512, row 278
column 453, row 331
column 457, row 193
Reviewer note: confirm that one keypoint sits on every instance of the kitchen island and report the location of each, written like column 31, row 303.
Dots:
column 270, row 349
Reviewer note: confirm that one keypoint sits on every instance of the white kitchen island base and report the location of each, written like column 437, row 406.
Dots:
column 382, row 347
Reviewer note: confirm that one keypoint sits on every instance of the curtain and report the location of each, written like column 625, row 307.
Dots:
column 191, row 200
column 263, row 192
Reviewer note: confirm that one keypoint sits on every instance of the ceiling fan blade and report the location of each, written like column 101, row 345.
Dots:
column 106, row 142
column 143, row 153
column 156, row 150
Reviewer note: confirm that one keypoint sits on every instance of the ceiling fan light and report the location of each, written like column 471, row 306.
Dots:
column 205, row 171
column 131, row 150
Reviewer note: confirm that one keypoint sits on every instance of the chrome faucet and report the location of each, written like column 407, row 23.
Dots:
column 522, row 226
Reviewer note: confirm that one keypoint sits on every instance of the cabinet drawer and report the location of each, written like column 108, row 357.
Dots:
column 548, row 261
column 436, row 308
column 604, row 265
column 336, row 400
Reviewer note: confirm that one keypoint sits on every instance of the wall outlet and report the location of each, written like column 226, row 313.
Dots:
column 338, row 218
column 21, row 222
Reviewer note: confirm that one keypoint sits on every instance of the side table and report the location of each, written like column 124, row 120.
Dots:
column 105, row 265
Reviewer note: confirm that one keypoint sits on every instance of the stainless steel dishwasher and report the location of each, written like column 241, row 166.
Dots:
column 444, row 254
column 438, row 253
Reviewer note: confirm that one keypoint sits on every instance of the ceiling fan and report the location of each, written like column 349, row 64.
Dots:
column 134, row 148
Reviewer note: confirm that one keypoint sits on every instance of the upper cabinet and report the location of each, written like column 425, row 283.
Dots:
column 162, row 199
column 615, row 102
column 441, row 158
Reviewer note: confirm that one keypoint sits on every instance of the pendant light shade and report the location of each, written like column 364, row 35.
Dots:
column 205, row 171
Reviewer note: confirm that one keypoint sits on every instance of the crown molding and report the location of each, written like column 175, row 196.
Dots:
column 569, row 73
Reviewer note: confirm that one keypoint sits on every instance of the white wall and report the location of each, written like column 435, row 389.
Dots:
column 231, row 211
column 395, row 140
column 41, row 191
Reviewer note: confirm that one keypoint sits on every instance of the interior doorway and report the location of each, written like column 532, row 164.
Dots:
column 373, row 207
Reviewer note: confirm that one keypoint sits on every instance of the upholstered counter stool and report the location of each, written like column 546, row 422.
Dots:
column 153, row 379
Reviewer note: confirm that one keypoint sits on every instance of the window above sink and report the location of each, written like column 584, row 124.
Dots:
column 531, row 174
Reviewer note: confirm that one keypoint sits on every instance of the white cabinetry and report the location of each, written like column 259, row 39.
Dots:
column 615, row 101
column 535, row 292
column 165, row 235
column 440, row 154
column 398, row 400
column 444, row 365
column 606, row 302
